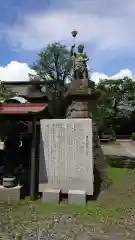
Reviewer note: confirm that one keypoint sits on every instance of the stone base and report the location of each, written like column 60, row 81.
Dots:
column 10, row 194
column 66, row 186
column 76, row 197
column 51, row 195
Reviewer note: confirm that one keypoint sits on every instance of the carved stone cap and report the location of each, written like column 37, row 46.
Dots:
column 81, row 88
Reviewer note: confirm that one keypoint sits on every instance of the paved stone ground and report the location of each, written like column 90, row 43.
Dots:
column 124, row 148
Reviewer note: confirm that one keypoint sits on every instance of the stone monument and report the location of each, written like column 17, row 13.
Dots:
column 81, row 102
column 66, row 161
column 70, row 148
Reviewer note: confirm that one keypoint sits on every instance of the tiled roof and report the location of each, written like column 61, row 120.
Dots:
column 23, row 108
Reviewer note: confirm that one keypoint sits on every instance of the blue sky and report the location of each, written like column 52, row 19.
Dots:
column 106, row 27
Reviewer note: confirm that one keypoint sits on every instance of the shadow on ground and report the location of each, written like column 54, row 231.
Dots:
column 120, row 161
column 114, row 162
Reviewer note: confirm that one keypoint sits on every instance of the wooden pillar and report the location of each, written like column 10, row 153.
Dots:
column 33, row 170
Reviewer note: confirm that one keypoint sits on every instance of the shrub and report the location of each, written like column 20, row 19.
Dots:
column 133, row 136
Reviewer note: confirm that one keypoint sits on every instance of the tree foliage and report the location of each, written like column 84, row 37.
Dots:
column 5, row 93
column 116, row 102
column 54, row 65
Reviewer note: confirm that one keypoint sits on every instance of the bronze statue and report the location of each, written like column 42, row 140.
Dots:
column 80, row 59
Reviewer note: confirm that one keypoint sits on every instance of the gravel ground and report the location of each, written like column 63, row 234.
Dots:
column 65, row 227
column 118, row 224
column 112, row 217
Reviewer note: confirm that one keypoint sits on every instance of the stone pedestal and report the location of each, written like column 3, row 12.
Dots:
column 77, row 197
column 51, row 195
column 10, row 194
column 81, row 102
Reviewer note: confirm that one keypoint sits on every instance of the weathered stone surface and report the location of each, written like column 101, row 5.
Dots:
column 86, row 109
column 76, row 197
column 84, row 85
column 51, row 195
column 10, row 194
column 78, row 109
column 98, row 157
column 66, row 155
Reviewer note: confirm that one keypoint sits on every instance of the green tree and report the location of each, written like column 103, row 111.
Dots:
column 116, row 101
column 54, row 66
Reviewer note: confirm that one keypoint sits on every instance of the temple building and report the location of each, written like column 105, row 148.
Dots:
column 33, row 91
column 20, row 129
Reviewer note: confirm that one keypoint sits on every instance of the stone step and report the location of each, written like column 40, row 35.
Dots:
column 77, row 197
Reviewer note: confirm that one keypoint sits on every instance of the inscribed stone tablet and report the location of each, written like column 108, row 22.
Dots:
column 66, row 155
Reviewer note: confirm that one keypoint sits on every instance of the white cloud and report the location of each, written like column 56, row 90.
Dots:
column 15, row 71
column 107, row 25
column 121, row 74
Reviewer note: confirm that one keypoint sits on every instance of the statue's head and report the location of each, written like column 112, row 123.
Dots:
column 80, row 48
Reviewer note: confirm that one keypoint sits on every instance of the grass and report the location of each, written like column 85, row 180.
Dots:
column 107, row 211
column 118, row 174
column 115, row 143
column 94, row 209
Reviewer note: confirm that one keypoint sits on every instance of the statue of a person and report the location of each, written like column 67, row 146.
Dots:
column 80, row 59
